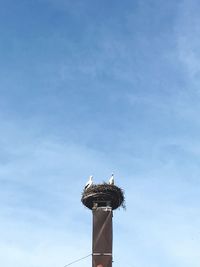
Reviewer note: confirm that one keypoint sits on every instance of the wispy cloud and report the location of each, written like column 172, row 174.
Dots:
column 188, row 42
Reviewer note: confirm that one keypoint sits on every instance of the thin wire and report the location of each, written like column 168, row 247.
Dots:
column 77, row 260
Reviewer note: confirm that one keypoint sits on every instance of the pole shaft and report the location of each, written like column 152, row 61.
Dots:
column 102, row 237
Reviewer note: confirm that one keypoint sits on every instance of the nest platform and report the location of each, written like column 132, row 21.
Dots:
column 103, row 195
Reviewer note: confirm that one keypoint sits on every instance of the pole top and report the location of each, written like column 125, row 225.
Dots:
column 103, row 195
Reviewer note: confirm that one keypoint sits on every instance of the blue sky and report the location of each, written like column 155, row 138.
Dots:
column 95, row 87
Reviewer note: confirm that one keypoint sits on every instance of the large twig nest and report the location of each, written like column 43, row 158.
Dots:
column 103, row 195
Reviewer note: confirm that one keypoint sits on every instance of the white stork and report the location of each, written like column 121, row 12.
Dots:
column 111, row 180
column 89, row 182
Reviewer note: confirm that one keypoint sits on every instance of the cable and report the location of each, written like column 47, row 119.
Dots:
column 77, row 260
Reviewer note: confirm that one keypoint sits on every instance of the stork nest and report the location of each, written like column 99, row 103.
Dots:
column 102, row 194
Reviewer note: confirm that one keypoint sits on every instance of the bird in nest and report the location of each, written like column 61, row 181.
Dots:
column 89, row 182
column 111, row 180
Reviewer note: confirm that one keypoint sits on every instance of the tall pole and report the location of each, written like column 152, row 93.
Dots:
column 102, row 199
column 102, row 237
